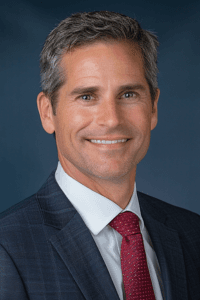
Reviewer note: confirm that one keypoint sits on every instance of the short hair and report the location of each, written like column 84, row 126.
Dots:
column 86, row 28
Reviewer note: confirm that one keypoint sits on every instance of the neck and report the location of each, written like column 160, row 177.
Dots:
column 118, row 190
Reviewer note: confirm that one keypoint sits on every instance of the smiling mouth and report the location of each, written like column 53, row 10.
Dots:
column 108, row 142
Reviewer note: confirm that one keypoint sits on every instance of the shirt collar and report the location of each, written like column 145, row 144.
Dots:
column 96, row 210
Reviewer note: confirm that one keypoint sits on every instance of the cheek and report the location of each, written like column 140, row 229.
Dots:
column 80, row 118
column 74, row 119
column 140, row 118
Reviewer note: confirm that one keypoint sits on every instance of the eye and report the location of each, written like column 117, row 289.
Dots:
column 86, row 97
column 129, row 95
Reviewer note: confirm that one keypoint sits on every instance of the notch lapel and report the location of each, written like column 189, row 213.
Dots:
column 79, row 252
column 74, row 243
column 167, row 245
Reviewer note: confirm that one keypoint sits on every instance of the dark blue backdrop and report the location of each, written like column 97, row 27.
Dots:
column 170, row 171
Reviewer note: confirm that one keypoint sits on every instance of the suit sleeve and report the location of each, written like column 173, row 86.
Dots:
column 11, row 285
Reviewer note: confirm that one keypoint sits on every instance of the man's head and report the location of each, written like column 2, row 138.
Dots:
column 84, row 29
column 104, row 114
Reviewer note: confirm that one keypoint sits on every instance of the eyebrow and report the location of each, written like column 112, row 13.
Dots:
column 94, row 89
column 131, row 87
column 84, row 90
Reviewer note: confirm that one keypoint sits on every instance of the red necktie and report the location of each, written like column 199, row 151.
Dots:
column 136, row 278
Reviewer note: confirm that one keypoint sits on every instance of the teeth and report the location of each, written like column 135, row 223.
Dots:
column 108, row 142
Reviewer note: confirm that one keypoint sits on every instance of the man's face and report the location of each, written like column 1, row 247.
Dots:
column 105, row 98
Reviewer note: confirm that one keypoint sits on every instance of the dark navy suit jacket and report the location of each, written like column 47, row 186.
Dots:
column 48, row 253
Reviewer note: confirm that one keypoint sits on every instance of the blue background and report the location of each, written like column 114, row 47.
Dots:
column 170, row 170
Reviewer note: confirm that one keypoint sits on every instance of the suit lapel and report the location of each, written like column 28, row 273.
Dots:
column 167, row 245
column 74, row 243
column 79, row 252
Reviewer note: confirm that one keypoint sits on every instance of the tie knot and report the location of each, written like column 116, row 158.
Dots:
column 126, row 223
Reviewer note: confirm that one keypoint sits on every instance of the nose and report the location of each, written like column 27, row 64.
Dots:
column 109, row 113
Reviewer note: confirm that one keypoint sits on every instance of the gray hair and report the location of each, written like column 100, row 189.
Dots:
column 86, row 28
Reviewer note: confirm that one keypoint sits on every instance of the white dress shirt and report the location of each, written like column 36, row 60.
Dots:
column 97, row 212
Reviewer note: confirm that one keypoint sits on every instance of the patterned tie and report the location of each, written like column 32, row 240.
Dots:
column 136, row 278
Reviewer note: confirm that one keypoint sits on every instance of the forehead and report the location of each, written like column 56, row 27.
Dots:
column 103, row 60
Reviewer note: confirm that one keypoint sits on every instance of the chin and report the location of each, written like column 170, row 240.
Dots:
column 110, row 174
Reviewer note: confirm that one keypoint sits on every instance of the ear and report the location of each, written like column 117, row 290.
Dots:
column 154, row 113
column 46, row 112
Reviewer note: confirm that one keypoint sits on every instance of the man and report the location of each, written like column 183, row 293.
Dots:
column 87, row 233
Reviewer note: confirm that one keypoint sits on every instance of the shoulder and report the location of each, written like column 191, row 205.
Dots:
column 29, row 208
column 16, row 208
column 19, row 217
column 175, row 216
